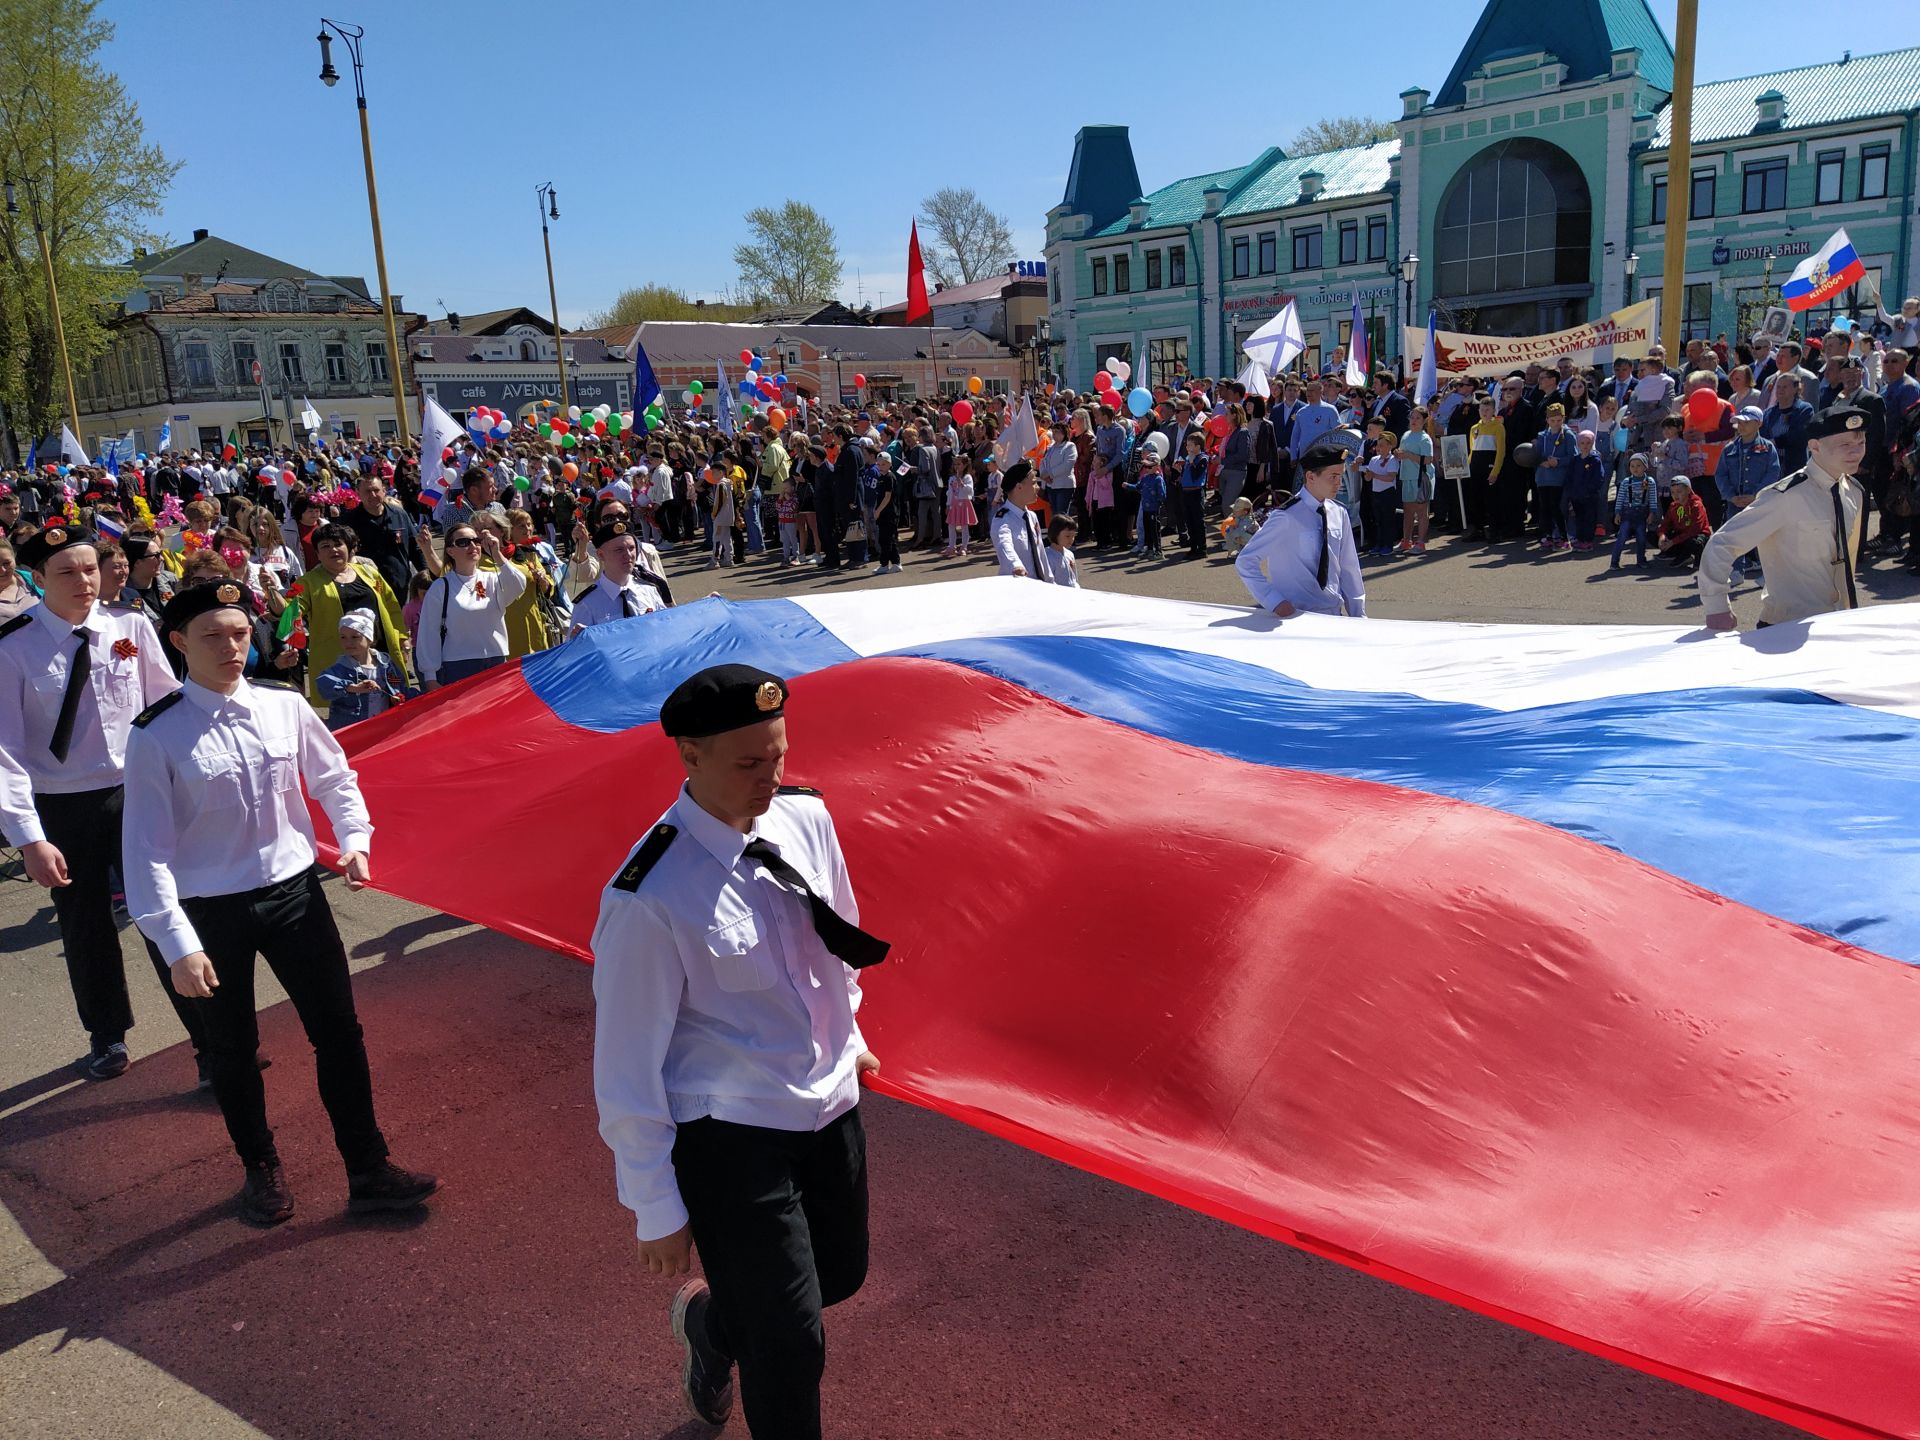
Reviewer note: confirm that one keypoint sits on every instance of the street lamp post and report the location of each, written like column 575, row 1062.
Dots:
column 53, row 296
column 351, row 35
column 1407, row 268
column 1633, row 269
column 546, row 201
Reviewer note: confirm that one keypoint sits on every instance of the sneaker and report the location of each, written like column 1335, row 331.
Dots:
column 266, row 1199
column 387, row 1187
column 1404, row 546
column 108, row 1062
column 1420, row 549
column 706, row 1377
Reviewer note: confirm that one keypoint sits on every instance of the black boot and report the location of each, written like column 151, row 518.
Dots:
column 387, row 1187
column 267, row 1199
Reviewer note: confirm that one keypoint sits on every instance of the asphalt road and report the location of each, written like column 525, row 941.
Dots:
column 1010, row 1295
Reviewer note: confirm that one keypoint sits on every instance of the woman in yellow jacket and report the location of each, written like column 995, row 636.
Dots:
column 339, row 583
column 1486, row 453
column 526, row 624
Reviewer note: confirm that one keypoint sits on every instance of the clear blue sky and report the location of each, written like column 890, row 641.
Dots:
column 662, row 123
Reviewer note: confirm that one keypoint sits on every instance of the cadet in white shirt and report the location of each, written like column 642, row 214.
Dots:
column 219, row 861
column 622, row 589
column 1304, row 557
column 72, row 677
column 583, row 566
column 1015, row 529
column 727, row 1057
column 1805, row 527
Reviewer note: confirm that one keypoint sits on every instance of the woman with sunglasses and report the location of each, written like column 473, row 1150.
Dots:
column 463, row 620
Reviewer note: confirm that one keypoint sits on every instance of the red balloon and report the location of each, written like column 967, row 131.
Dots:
column 859, row 382
column 1219, row 426
column 962, row 412
column 746, row 357
column 599, row 427
column 1703, row 410
column 695, row 401
column 1102, row 381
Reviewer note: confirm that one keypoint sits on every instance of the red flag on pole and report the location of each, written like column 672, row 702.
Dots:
column 918, row 308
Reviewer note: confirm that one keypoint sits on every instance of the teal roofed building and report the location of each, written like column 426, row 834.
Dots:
column 1527, row 193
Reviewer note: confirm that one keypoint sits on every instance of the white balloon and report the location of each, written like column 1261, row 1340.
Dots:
column 1125, row 372
column 1159, row 444
column 573, row 412
column 1116, row 366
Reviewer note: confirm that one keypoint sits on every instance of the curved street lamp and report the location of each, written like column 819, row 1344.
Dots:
column 546, row 200
column 351, row 36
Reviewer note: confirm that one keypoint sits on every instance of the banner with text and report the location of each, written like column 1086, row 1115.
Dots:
column 1626, row 332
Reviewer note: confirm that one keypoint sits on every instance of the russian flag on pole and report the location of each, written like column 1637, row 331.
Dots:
column 1552, row 970
column 1359, row 357
column 1823, row 274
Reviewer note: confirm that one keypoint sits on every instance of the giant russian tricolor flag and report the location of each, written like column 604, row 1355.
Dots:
column 1824, row 274
column 1563, row 972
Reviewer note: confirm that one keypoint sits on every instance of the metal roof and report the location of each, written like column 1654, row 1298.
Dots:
column 1857, row 88
column 1357, row 170
column 1181, row 203
column 1582, row 34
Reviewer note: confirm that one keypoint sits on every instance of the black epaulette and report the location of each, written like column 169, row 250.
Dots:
column 18, row 622
column 798, row 790
column 645, row 858
column 134, row 606
column 1786, row 484
column 1291, row 500
column 159, row 707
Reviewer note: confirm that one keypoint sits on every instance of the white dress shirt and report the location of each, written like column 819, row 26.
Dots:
column 1791, row 524
column 1017, row 541
column 128, row 674
column 715, row 996
column 1282, row 560
column 474, row 608
column 213, row 802
column 604, row 601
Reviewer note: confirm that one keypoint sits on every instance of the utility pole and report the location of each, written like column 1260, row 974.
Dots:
column 1673, row 254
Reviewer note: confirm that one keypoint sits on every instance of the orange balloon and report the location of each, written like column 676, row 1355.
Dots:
column 571, row 471
column 974, row 386
column 777, row 418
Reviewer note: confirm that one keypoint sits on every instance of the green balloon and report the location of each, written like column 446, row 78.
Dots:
column 521, row 482
column 698, row 388
column 569, row 440
column 613, row 424
column 545, row 430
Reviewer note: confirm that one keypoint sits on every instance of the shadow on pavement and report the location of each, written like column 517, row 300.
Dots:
column 1010, row 1296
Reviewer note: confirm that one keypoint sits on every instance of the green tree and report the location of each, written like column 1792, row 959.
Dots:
column 641, row 303
column 1339, row 133
column 970, row 241
column 84, row 179
column 795, row 257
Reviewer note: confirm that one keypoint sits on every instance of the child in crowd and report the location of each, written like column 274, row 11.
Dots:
column 1061, row 533
column 1670, row 458
column 1554, row 454
column 786, row 509
column 363, row 681
column 1582, row 491
column 1239, row 526
column 960, row 514
column 1685, row 533
column 1383, row 484
column 1636, row 509
column 720, row 498
column 1151, row 486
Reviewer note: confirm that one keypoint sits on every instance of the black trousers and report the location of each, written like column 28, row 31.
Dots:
column 85, row 828
column 291, row 925
column 1193, row 522
column 780, row 1220
column 829, row 521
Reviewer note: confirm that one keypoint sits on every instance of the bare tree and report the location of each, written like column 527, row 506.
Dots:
column 1339, row 133
column 970, row 241
column 795, row 257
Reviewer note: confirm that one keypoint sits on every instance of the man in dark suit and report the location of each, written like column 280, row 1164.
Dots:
column 1389, row 406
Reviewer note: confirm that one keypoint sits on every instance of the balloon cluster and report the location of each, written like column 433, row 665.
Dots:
column 758, row 385
column 485, row 424
column 601, row 422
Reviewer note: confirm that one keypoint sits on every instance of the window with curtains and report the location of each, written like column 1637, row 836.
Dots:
column 1153, row 270
column 1100, row 276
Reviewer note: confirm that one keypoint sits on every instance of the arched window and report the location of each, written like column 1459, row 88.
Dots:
column 1519, row 217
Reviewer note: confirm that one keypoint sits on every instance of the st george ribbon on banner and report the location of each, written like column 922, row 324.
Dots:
column 1626, row 332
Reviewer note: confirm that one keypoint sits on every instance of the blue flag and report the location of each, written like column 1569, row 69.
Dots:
column 723, row 407
column 33, row 454
column 166, row 436
column 646, row 389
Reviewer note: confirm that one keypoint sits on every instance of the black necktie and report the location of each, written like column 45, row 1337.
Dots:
column 1033, row 544
column 77, row 674
column 1320, row 574
column 1839, row 540
column 845, row 939
column 626, row 603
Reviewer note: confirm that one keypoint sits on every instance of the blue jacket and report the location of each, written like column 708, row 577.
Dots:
column 1587, row 480
column 1193, row 472
column 1746, row 469
column 1152, row 486
column 1547, row 446
column 1787, row 429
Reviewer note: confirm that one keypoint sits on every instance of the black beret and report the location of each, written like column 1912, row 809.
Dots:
column 1836, row 420
column 42, row 546
column 1322, row 456
column 201, row 599
column 612, row 530
column 721, row 698
column 1015, row 473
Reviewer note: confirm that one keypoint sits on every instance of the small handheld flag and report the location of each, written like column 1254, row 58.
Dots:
column 1823, row 274
column 1423, row 392
column 1359, row 361
column 166, row 437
